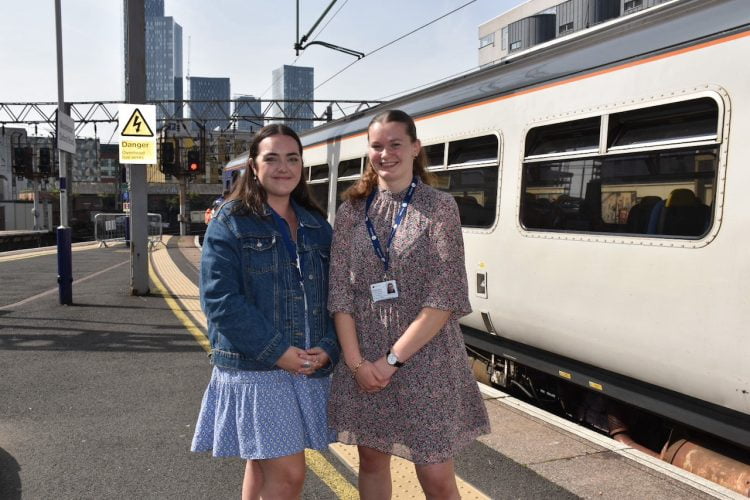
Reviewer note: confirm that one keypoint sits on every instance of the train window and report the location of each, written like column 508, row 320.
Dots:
column 319, row 193
column 474, row 150
column 306, row 173
column 350, row 167
column 579, row 136
column 667, row 193
column 342, row 186
column 435, row 154
column 475, row 192
column 681, row 122
column 318, row 172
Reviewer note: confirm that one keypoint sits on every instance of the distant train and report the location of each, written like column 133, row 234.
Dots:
column 603, row 182
column 233, row 170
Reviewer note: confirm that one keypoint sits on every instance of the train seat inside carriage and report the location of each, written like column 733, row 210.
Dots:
column 640, row 215
column 472, row 213
column 681, row 214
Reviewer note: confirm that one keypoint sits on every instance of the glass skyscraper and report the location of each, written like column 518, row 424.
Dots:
column 247, row 105
column 163, row 58
column 294, row 82
column 210, row 89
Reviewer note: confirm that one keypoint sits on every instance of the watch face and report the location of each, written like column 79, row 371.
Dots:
column 391, row 359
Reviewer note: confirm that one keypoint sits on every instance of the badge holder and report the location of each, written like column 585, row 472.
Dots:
column 384, row 290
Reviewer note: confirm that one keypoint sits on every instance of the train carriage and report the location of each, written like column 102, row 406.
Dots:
column 601, row 182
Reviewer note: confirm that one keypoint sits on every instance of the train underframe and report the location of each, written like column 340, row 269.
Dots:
column 559, row 388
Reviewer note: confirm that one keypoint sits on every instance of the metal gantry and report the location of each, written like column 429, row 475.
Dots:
column 199, row 112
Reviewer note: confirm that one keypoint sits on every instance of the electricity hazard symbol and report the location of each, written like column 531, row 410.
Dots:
column 136, row 126
column 137, row 123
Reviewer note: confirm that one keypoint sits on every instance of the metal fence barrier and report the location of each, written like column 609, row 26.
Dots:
column 109, row 228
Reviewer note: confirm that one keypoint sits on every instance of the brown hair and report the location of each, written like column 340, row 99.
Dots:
column 252, row 195
column 369, row 179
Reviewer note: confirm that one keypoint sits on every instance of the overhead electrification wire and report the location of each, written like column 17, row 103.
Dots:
column 392, row 42
column 329, row 21
column 303, row 52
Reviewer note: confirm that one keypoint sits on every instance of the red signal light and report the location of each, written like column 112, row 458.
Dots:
column 193, row 161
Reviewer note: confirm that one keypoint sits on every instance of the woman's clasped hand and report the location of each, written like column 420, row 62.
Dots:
column 374, row 376
column 303, row 362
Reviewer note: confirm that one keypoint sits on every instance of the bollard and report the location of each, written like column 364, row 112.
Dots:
column 127, row 231
column 65, row 265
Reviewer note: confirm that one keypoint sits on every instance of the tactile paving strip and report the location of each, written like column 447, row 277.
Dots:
column 405, row 482
column 183, row 290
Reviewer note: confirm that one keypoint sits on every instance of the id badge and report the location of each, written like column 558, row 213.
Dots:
column 384, row 290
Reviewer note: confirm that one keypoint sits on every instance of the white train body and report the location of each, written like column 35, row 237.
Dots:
column 669, row 312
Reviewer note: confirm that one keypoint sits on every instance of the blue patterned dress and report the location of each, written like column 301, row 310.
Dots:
column 262, row 414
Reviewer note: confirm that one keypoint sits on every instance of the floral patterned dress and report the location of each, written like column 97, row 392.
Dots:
column 432, row 407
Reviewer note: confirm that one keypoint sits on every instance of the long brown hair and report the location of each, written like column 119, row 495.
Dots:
column 369, row 179
column 252, row 195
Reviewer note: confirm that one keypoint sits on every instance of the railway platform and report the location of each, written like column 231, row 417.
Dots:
column 13, row 240
column 99, row 400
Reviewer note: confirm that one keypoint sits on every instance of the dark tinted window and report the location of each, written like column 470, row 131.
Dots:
column 435, row 154
column 350, row 167
column 342, row 186
column 655, row 193
column 475, row 149
column 318, row 172
column 319, row 193
column 475, row 192
column 569, row 137
column 679, row 121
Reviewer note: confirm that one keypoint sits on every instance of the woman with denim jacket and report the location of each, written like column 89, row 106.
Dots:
column 264, row 284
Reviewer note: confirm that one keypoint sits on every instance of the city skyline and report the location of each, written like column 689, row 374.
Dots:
column 291, row 83
column 247, row 54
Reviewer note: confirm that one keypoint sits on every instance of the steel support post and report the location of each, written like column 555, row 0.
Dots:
column 64, row 233
column 135, row 93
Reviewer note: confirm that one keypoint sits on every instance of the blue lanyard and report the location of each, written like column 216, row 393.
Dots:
column 385, row 257
column 291, row 248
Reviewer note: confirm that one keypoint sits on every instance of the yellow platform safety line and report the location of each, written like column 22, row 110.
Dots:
column 330, row 476
column 175, row 307
column 181, row 295
column 404, row 477
column 181, row 290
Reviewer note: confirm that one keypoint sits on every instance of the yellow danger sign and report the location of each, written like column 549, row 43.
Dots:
column 137, row 123
column 137, row 126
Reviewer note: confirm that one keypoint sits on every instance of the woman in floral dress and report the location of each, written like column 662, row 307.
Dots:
column 397, row 289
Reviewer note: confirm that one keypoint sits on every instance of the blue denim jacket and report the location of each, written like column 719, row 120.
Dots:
column 251, row 293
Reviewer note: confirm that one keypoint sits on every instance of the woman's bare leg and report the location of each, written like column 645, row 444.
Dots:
column 374, row 474
column 253, row 481
column 283, row 477
column 438, row 481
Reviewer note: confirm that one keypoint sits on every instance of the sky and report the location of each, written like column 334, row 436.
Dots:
column 245, row 40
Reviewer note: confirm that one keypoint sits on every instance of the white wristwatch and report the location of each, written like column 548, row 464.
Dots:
column 392, row 359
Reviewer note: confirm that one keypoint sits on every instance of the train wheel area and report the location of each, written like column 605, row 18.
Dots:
column 623, row 429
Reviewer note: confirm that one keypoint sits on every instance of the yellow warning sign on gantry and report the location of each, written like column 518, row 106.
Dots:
column 137, row 126
column 137, row 123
